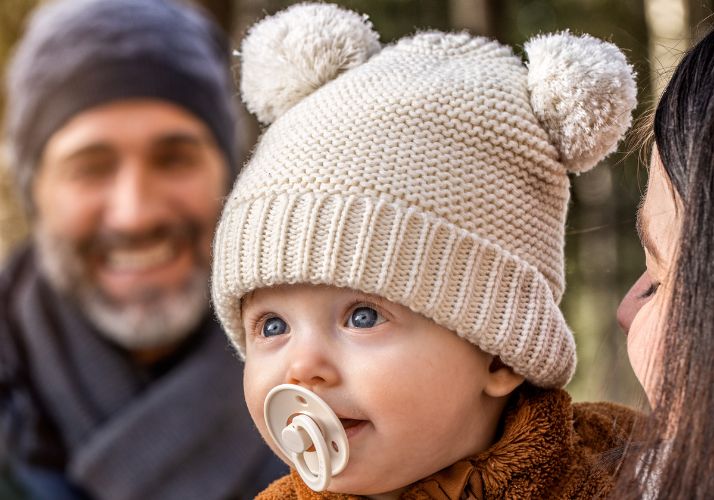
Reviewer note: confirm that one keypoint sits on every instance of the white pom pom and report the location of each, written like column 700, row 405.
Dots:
column 288, row 56
column 583, row 92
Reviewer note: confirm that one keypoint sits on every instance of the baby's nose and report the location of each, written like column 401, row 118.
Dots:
column 312, row 364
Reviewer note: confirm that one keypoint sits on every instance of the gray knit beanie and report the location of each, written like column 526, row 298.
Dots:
column 77, row 54
column 432, row 172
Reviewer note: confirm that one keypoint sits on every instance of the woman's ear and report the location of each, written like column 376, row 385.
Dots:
column 502, row 380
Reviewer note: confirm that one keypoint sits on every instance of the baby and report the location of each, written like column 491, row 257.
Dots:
column 395, row 246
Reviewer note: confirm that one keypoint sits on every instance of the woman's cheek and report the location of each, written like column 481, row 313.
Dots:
column 643, row 345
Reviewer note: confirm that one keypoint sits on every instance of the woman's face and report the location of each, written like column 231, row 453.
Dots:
column 642, row 313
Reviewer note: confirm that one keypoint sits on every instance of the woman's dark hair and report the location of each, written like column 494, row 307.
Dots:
column 679, row 459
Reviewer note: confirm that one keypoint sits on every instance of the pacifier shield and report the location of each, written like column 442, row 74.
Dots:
column 283, row 405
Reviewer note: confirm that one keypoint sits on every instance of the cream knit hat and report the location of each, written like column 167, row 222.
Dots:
column 432, row 172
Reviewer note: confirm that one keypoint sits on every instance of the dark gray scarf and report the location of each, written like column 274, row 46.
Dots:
column 184, row 435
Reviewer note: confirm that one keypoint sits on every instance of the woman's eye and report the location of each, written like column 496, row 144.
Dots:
column 651, row 290
column 274, row 326
column 364, row 317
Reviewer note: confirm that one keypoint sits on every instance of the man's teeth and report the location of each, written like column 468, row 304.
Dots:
column 140, row 259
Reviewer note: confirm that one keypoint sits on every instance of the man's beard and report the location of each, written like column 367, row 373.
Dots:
column 155, row 317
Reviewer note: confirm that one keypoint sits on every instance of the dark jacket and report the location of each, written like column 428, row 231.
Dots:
column 548, row 449
column 80, row 420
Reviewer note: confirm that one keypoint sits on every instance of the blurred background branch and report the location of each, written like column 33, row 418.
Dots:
column 603, row 253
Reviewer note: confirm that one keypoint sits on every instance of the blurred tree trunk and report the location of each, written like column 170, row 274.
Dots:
column 476, row 16
column 13, row 227
column 222, row 10
column 669, row 38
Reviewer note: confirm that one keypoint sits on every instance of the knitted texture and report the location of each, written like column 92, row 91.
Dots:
column 571, row 93
column 269, row 86
column 422, row 176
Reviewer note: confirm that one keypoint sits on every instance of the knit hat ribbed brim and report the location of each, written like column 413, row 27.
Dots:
column 465, row 283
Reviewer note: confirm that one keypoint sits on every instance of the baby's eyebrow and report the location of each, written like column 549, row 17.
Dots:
column 376, row 299
column 643, row 232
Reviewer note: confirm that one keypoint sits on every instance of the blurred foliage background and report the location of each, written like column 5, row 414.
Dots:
column 603, row 253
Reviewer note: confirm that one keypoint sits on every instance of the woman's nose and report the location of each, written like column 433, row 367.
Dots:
column 631, row 303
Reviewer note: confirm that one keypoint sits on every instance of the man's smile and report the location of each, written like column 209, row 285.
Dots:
column 141, row 259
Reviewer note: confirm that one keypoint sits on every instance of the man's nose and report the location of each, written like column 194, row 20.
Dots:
column 312, row 361
column 134, row 201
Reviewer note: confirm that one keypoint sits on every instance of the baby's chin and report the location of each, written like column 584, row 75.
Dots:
column 366, row 482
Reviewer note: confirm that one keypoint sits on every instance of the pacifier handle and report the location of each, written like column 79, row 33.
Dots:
column 295, row 441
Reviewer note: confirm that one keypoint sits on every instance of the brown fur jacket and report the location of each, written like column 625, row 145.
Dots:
column 549, row 449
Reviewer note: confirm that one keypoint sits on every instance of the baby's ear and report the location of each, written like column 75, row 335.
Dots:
column 583, row 93
column 502, row 380
column 286, row 57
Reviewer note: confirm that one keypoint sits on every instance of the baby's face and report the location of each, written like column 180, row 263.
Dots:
column 413, row 397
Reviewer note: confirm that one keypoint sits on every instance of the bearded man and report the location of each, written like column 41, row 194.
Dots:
column 115, row 380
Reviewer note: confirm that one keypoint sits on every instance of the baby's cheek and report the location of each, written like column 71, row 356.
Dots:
column 256, row 388
column 255, row 393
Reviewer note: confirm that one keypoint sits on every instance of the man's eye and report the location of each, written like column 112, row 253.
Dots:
column 176, row 159
column 90, row 171
column 364, row 317
column 651, row 290
column 274, row 326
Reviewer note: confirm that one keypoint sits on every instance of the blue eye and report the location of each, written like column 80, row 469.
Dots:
column 274, row 326
column 364, row 317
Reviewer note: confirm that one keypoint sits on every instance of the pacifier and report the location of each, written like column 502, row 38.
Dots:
column 308, row 432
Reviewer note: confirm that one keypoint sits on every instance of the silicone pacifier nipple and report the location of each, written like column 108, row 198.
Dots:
column 308, row 432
